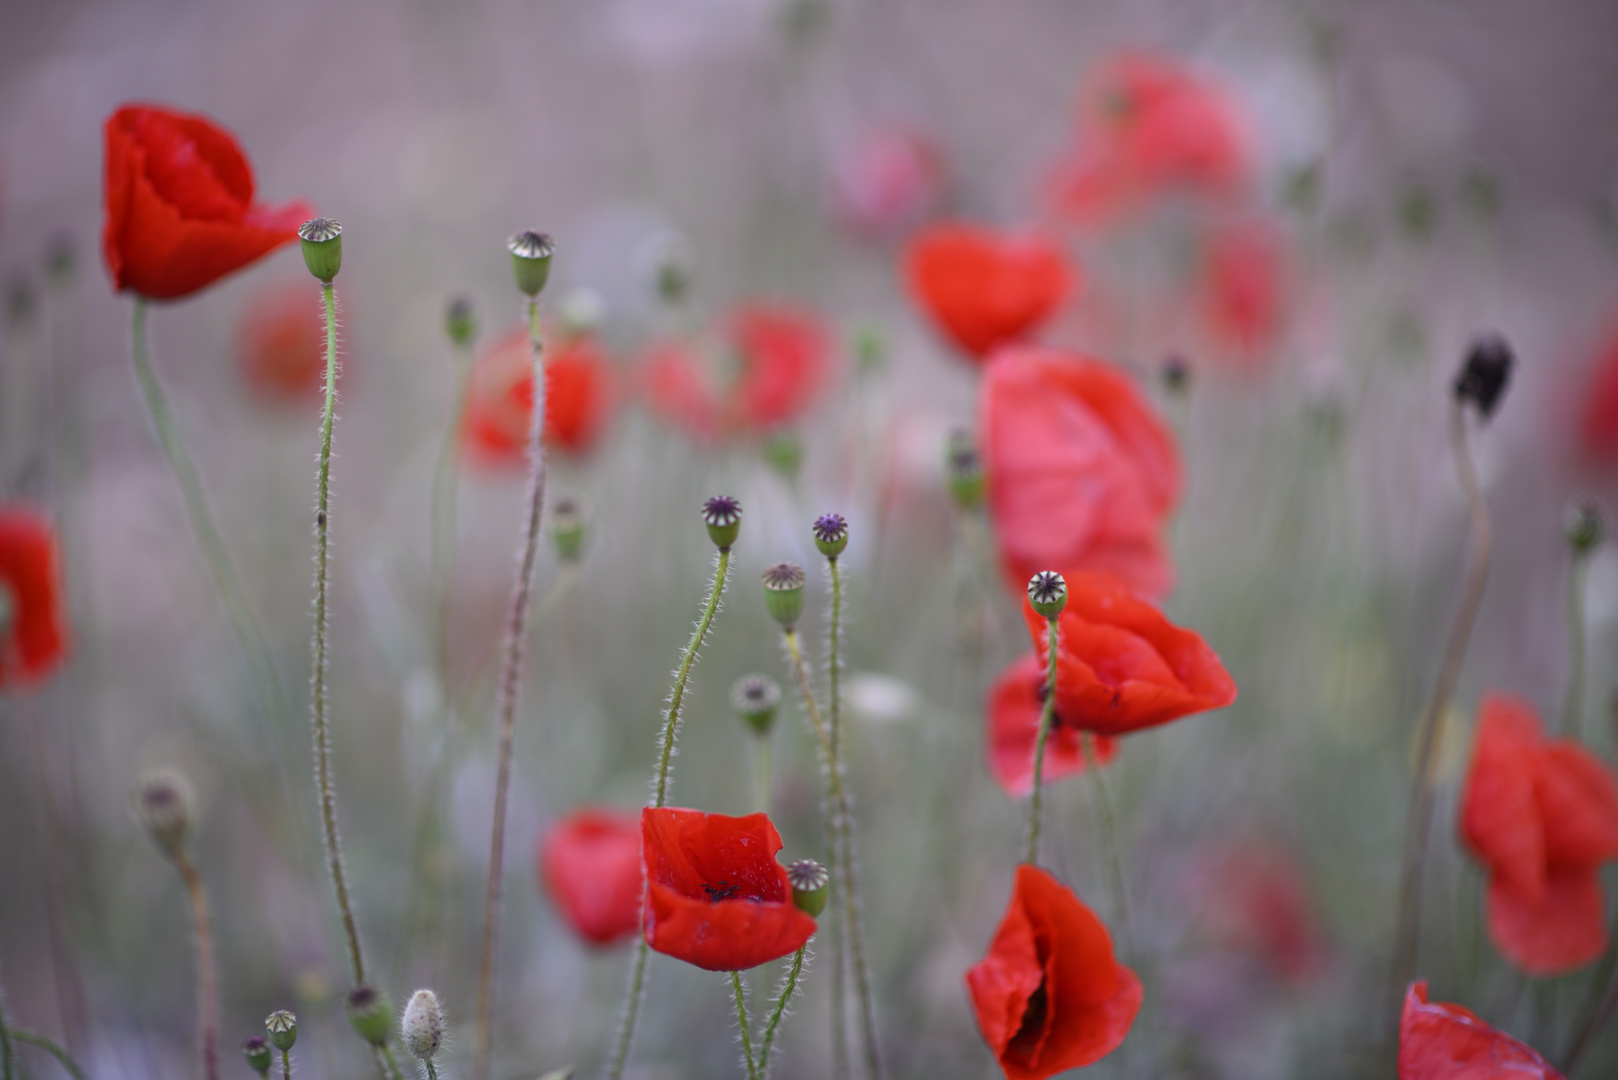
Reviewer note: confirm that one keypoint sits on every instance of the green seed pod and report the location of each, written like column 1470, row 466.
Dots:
column 371, row 1014
column 755, row 699
column 531, row 260
column 723, row 516
column 831, row 535
column 783, row 593
column 322, row 247
column 282, row 1027
column 783, row 452
column 965, row 468
column 460, row 321
column 257, row 1052
column 163, row 804
column 1584, row 527
column 568, row 525
column 811, row 886
column 1047, row 591
column 422, row 1026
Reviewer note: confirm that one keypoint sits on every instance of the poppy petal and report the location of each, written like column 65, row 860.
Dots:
column 1561, row 930
column 1448, row 1042
column 1015, row 704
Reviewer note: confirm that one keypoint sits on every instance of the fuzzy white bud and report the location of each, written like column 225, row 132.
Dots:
column 422, row 1025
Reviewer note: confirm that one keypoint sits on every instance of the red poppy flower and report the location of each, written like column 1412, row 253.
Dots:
column 590, row 864
column 1016, row 701
column 1598, row 413
column 888, row 179
column 1239, row 290
column 715, row 896
column 983, row 287
column 1121, row 666
column 774, row 360
column 1050, row 995
column 1542, row 815
column 33, row 622
column 282, row 343
column 1082, row 474
column 180, row 211
column 1252, row 897
column 500, row 406
column 1448, row 1042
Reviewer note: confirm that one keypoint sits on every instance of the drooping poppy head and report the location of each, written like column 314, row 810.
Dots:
column 33, row 616
column 1121, row 666
column 1542, row 816
column 500, row 405
column 715, row 895
column 888, row 179
column 1016, row 701
column 1448, row 1042
column 1082, row 473
column 281, row 342
column 179, row 201
column 590, row 863
column 984, row 287
column 1239, row 290
column 1050, row 995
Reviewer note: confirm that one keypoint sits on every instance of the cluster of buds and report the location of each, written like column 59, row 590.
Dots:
column 280, row 1033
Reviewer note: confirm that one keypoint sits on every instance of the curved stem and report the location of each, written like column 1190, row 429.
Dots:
column 1031, row 855
column 510, row 683
column 389, row 1062
column 1573, row 706
column 207, row 1007
column 788, row 988
column 51, row 1048
column 741, row 1019
column 1109, row 834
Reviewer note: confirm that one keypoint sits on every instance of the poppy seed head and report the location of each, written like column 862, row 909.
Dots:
column 163, row 804
column 282, row 1027
column 1047, row 592
column 371, row 1015
column 1485, row 374
column 783, row 593
column 529, row 244
column 806, row 875
column 831, row 535
column 257, row 1052
column 531, row 260
column 460, row 321
column 783, row 577
column 319, row 230
column 755, row 698
column 963, row 466
column 723, row 516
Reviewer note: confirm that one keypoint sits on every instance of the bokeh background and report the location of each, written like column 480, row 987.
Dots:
column 1423, row 172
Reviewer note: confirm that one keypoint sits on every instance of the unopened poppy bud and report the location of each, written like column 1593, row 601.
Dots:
column 672, row 260
column 282, row 1028
column 582, row 310
column 163, row 803
column 783, row 452
column 755, row 699
column 811, row 885
column 257, row 1052
column 783, row 593
column 1485, row 373
column 723, row 516
column 1176, row 374
column 460, row 321
column 1047, row 591
column 568, row 522
column 531, row 260
column 422, row 1026
column 1584, row 527
column 965, row 469
column 61, row 258
column 322, row 247
column 831, row 535
column 371, row 1014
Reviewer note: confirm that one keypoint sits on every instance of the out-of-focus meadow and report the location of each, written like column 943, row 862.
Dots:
column 1400, row 179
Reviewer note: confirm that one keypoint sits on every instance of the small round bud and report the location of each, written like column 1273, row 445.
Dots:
column 163, row 804
column 1047, row 591
column 322, row 247
column 831, row 535
column 964, row 466
column 1485, row 374
column 755, row 699
column 1176, row 374
column 1584, row 526
column 670, row 259
column 783, row 593
column 723, row 516
column 531, row 260
column 371, row 1014
column 568, row 523
column 460, row 321
column 61, row 258
column 282, row 1028
column 581, row 311
column 783, row 452
column 257, row 1052
column 811, row 886
column 422, row 1026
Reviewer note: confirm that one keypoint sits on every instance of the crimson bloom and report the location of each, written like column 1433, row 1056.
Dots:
column 1050, row 995
column 984, row 287
column 590, row 864
column 1542, row 816
column 180, row 210
column 1082, row 474
column 281, row 343
column 1239, row 290
column 1016, row 701
column 33, row 622
column 1251, row 897
column 500, row 405
column 715, row 896
column 1598, row 414
column 1448, row 1042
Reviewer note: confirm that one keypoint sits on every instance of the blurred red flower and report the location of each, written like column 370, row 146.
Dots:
column 1239, row 289
column 500, row 406
column 1082, row 474
column 1448, row 1042
column 1050, row 995
column 888, row 179
column 1121, row 666
column 985, row 287
column 281, row 343
column 590, row 864
column 772, row 362
column 1542, row 816
column 715, row 895
column 1252, row 897
column 1598, row 413
column 179, row 200
column 1015, row 702
column 33, row 616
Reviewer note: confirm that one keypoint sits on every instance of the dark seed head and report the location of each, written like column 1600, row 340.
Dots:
column 1047, row 591
column 1485, row 374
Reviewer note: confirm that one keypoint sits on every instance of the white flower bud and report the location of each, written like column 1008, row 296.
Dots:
column 423, row 1025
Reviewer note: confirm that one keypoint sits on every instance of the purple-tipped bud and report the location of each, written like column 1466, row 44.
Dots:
column 257, row 1052
column 371, row 1014
column 460, row 321
column 322, row 247
column 964, row 466
column 1485, row 374
column 783, row 593
column 723, row 516
column 1047, row 591
column 163, row 804
column 811, row 885
column 831, row 535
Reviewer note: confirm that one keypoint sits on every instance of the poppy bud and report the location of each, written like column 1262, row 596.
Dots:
column 567, row 529
column 811, row 885
column 1584, row 529
column 282, row 1027
column 831, row 535
column 581, row 311
column 783, row 593
column 1484, row 376
column 163, row 804
column 371, row 1014
column 783, row 452
column 423, row 1025
column 61, row 258
column 672, row 260
column 1176, row 374
column 1047, row 591
column 531, row 260
column 460, row 321
column 257, row 1052
column 723, row 516
column 965, row 468
column 322, row 247
column 755, row 699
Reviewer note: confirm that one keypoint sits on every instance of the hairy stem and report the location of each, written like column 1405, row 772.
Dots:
column 788, row 988
column 207, row 1004
column 62, row 1057
column 839, row 1006
column 286, row 1065
column 741, row 1020
column 1031, row 855
column 432, row 1073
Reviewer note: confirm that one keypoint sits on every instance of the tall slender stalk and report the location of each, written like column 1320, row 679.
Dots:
column 6, row 1069
column 510, row 683
column 445, row 473
column 62, row 1057
column 1573, row 705
column 789, row 986
column 839, row 946
column 741, row 1020
column 207, row 1002
column 1031, row 855
column 1109, row 839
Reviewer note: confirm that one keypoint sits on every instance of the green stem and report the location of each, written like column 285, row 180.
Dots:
column 839, row 1006
column 445, row 481
column 788, row 988
column 1031, row 855
column 51, row 1048
column 6, row 1072
column 1573, row 707
column 390, row 1064
column 207, row 1023
column 1109, row 840
column 286, row 1065
column 432, row 1073
column 741, row 1019
column 510, row 683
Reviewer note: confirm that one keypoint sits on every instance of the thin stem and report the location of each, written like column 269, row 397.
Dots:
column 1598, row 1005
column 741, row 1019
column 788, row 988
column 510, row 683
column 1109, row 834
column 445, row 476
column 328, row 798
column 51, row 1048
column 390, row 1063
column 6, row 1071
column 1419, row 826
column 1045, row 714
column 207, row 1007
column 286, row 1065
column 839, row 1006
column 833, row 668
column 1573, row 707
column 626, row 1027
column 432, row 1073
column 763, row 774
